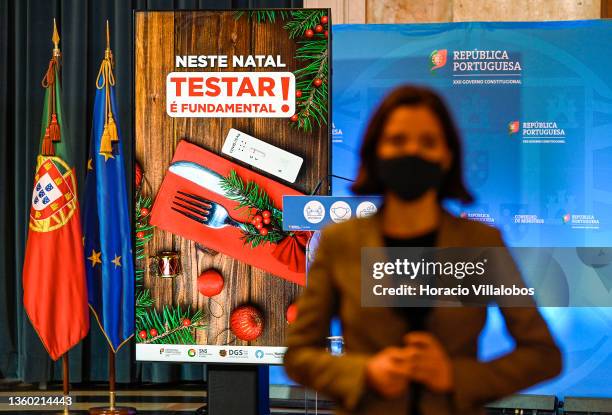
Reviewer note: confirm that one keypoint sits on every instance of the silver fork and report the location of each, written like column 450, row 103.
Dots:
column 203, row 211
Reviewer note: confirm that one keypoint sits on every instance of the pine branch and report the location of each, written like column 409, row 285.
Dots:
column 262, row 16
column 142, row 224
column 314, row 99
column 169, row 325
column 303, row 20
column 143, row 301
column 250, row 196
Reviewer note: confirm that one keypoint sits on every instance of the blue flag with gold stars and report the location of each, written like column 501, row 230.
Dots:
column 106, row 219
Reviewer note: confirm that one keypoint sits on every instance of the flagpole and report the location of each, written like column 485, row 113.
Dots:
column 66, row 372
column 112, row 409
column 66, row 386
column 111, row 377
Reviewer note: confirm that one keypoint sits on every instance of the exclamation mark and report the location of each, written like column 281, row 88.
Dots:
column 285, row 87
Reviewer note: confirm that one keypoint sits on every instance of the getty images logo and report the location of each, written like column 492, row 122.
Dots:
column 437, row 59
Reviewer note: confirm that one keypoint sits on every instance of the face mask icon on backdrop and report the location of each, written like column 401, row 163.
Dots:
column 340, row 212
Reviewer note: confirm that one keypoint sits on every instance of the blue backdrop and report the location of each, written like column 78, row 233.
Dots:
column 533, row 102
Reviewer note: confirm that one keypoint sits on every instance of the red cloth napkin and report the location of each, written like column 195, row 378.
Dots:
column 227, row 240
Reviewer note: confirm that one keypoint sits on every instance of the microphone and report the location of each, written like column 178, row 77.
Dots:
column 416, row 318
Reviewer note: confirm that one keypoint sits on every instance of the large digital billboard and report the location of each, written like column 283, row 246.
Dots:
column 231, row 113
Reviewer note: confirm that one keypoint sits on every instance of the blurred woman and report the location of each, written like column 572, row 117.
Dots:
column 412, row 360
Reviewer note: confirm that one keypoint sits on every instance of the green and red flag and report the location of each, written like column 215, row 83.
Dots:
column 54, row 280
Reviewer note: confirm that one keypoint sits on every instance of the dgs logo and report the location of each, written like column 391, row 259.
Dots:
column 237, row 352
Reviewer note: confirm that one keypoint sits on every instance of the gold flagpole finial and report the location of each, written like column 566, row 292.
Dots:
column 55, row 39
column 107, row 35
column 108, row 53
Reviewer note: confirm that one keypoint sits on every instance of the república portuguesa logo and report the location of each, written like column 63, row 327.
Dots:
column 513, row 127
column 479, row 67
column 437, row 59
column 538, row 132
column 581, row 221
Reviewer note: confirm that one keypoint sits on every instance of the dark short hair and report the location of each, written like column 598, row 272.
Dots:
column 368, row 181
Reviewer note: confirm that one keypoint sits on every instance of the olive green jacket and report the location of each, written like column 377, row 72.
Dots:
column 334, row 288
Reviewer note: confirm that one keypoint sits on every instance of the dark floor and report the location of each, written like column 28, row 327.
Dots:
column 149, row 400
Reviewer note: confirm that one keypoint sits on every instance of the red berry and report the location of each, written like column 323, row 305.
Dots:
column 294, row 118
column 309, row 33
column 153, row 332
column 210, row 283
column 137, row 175
column 266, row 214
column 259, row 225
column 246, row 322
column 325, row 33
column 317, row 82
column 263, row 231
column 267, row 221
column 186, row 322
column 258, row 218
column 298, row 93
column 318, row 28
column 253, row 222
column 324, row 19
column 140, row 234
column 142, row 334
column 144, row 211
column 291, row 313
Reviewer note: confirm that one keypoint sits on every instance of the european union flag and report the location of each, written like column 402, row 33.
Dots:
column 106, row 224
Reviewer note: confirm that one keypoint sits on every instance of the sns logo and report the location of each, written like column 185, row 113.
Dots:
column 513, row 127
column 191, row 352
column 437, row 59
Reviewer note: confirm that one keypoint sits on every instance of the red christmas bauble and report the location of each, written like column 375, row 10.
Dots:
column 298, row 93
column 140, row 234
column 266, row 214
column 153, row 332
column 253, row 222
column 266, row 221
column 246, row 322
column 186, row 322
column 142, row 334
column 324, row 20
column 258, row 218
column 291, row 313
column 318, row 28
column 325, row 33
column 317, row 82
column 309, row 33
column 210, row 283
column 144, row 211
column 137, row 175
column 294, row 118
column 259, row 225
column 263, row 231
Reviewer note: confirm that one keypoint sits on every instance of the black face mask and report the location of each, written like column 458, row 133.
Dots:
column 410, row 177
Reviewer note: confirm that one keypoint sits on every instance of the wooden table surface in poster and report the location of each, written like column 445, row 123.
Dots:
column 160, row 36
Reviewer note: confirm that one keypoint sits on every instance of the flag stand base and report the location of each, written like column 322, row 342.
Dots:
column 118, row 410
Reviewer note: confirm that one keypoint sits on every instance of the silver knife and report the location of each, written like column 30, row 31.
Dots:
column 200, row 175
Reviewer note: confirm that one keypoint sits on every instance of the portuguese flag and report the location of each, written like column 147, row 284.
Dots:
column 54, row 282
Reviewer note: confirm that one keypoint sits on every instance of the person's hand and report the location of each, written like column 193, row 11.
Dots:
column 387, row 372
column 428, row 362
